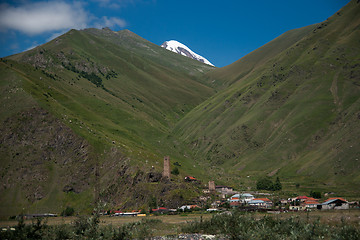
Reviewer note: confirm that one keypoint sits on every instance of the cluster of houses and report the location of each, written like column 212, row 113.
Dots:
column 263, row 202
column 248, row 201
column 242, row 200
column 294, row 204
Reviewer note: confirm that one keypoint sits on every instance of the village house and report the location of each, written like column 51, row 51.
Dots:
column 334, row 203
column 297, row 208
column 203, row 198
column 225, row 190
column 188, row 207
column 303, row 203
column 206, row 191
column 190, row 179
column 301, row 198
column 160, row 210
column 235, row 200
column 238, row 199
column 261, row 202
column 215, row 204
column 246, row 197
column 311, row 203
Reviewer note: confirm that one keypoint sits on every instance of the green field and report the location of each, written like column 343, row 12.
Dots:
column 344, row 223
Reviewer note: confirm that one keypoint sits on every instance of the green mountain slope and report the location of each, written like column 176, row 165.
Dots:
column 88, row 110
column 292, row 109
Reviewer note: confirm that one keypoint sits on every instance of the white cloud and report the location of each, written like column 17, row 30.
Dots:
column 54, row 17
column 40, row 17
column 32, row 47
column 114, row 3
column 55, row 35
column 111, row 22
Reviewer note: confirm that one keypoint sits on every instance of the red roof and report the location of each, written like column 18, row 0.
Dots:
column 194, row 206
column 336, row 198
column 262, row 199
column 312, row 199
column 302, row 197
column 190, row 178
column 158, row 209
column 117, row 211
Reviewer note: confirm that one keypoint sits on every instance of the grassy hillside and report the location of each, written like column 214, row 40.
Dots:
column 292, row 109
column 90, row 110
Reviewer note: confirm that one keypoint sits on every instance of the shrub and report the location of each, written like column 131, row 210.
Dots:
column 175, row 171
column 68, row 211
column 265, row 183
column 315, row 194
column 238, row 225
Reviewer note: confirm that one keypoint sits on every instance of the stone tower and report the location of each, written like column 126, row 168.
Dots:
column 211, row 186
column 166, row 172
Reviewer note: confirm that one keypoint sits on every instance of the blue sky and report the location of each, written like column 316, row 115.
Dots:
column 221, row 31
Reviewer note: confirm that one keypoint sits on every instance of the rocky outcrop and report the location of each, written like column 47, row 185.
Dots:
column 55, row 156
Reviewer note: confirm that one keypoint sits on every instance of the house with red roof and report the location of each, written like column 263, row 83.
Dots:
column 303, row 203
column 301, row 198
column 188, row 207
column 190, row 179
column 334, row 203
column 160, row 210
column 311, row 203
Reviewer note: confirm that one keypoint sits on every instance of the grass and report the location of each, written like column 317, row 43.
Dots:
column 327, row 223
column 331, row 217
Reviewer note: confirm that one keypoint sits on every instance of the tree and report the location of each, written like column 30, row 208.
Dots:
column 68, row 211
column 315, row 194
column 153, row 202
column 264, row 183
column 175, row 171
column 277, row 185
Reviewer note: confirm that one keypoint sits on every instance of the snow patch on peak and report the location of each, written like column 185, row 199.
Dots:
column 180, row 48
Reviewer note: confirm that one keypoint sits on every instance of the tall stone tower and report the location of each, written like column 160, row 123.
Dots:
column 166, row 172
column 211, row 186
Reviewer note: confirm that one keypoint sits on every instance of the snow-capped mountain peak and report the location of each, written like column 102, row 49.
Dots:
column 180, row 48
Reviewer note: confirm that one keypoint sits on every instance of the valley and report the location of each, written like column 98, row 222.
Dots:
column 90, row 115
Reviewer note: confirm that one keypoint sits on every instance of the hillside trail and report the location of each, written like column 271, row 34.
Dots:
column 334, row 91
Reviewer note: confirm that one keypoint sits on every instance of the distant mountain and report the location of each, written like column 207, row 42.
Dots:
column 181, row 49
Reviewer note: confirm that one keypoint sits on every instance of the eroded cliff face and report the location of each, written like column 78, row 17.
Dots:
column 40, row 153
